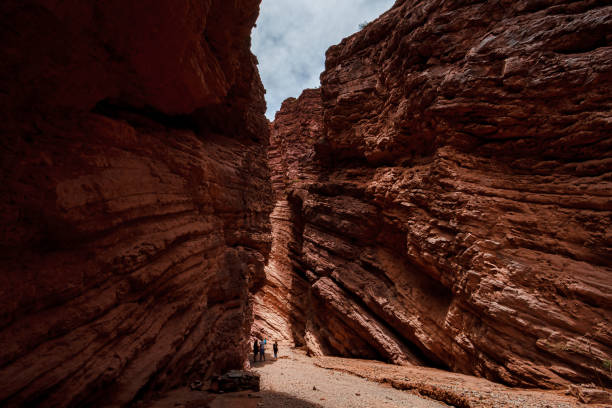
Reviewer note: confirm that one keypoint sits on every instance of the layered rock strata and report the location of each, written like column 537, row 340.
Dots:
column 457, row 211
column 134, row 196
column 280, row 306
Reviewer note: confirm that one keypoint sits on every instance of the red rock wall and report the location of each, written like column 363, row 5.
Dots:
column 134, row 197
column 459, row 214
column 280, row 308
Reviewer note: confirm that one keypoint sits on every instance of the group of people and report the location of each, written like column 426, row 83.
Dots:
column 259, row 347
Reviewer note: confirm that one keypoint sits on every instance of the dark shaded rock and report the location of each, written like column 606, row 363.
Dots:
column 134, row 196
column 236, row 380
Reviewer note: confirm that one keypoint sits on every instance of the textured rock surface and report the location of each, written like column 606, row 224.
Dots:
column 134, row 196
column 460, row 209
column 280, row 305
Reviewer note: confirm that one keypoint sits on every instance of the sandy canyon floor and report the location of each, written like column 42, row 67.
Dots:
column 298, row 381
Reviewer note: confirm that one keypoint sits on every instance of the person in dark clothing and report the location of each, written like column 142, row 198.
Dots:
column 262, row 351
column 255, row 350
column 275, row 348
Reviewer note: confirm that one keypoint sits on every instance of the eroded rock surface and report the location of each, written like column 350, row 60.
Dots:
column 134, row 196
column 457, row 210
column 280, row 305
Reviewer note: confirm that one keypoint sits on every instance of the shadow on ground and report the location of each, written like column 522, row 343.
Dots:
column 185, row 398
column 268, row 360
column 270, row 399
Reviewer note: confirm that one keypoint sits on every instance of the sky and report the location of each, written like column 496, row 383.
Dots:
column 292, row 36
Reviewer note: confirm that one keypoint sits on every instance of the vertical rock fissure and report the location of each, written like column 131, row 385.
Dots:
column 298, row 279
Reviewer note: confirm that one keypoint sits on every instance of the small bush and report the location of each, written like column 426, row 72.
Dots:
column 363, row 25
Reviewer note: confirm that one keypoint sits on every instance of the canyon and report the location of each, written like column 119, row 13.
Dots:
column 443, row 200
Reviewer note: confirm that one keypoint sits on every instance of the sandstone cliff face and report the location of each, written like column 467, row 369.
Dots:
column 280, row 306
column 459, row 209
column 134, row 196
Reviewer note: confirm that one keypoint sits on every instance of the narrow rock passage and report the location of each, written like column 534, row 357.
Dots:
column 294, row 381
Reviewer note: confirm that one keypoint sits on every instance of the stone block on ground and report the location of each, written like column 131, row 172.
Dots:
column 589, row 394
column 235, row 380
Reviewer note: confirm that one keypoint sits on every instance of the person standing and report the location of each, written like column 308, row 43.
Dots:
column 255, row 350
column 262, row 351
column 275, row 348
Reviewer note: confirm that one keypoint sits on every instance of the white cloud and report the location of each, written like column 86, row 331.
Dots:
column 292, row 36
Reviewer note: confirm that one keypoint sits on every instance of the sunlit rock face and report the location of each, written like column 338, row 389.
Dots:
column 280, row 306
column 455, row 204
column 135, row 196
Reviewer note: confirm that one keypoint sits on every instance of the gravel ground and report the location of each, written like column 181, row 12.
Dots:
column 297, row 381
column 453, row 388
column 294, row 381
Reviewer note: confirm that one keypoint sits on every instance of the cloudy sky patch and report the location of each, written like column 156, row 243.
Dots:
column 292, row 36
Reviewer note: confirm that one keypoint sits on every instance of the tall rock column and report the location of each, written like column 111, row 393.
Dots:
column 134, row 197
